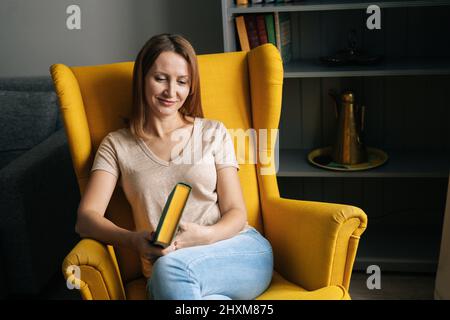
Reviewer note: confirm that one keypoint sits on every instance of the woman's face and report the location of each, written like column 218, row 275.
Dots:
column 167, row 84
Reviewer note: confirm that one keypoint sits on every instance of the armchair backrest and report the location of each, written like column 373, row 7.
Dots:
column 241, row 89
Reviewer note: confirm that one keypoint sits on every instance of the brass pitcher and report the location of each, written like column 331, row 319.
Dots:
column 349, row 146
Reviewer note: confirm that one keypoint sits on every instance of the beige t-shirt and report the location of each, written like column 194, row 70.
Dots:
column 148, row 180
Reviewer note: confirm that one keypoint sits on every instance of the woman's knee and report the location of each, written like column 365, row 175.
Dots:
column 167, row 266
column 167, row 271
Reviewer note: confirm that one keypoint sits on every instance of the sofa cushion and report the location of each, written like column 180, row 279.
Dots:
column 27, row 118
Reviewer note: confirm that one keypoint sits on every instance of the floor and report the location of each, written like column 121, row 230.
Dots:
column 394, row 286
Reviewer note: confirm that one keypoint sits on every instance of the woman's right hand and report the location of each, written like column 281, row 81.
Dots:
column 141, row 243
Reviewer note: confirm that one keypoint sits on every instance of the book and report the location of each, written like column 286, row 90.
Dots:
column 270, row 28
column 276, row 18
column 252, row 30
column 241, row 2
column 171, row 215
column 242, row 33
column 285, row 36
column 261, row 28
column 282, row 23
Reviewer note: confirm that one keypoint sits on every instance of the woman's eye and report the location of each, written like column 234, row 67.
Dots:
column 160, row 79
column 182, row 82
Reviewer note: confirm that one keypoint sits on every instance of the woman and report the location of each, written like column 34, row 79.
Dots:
column 216, row 254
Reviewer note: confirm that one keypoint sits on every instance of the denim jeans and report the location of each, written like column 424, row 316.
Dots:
column 236, row 268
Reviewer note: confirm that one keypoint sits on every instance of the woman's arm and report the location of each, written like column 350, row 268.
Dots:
column 232, row 208
column 231, row 204
column 91, row 221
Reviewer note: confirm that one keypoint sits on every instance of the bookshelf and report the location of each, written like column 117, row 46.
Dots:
column 326, row 5
column 399, row 165
column 309, row 68
column 407, row 100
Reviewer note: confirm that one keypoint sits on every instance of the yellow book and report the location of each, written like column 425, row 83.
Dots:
column 171, row 215
column 242, row 33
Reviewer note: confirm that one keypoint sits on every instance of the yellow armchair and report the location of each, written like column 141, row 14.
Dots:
column 314, row 243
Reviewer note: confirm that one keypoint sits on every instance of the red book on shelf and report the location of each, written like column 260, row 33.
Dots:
column 261, row 27
column 252, row 30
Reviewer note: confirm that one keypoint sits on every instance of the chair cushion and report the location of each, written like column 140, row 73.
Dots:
column 279, row 289
column 27, row 118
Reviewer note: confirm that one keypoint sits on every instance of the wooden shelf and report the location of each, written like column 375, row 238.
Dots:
column 326, row 5
column 293, row 163
column 392, row 67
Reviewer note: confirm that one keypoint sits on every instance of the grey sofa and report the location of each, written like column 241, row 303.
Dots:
column 39, row 195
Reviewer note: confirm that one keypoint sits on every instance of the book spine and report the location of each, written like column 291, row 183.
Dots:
column 276, row 18
column 252, row 31
column 270, row 28
column 242, row 33
column 261, row 27
column 241, row 2
column 285, row 36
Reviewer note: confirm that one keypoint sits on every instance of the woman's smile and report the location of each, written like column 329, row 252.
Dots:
column 166, row 102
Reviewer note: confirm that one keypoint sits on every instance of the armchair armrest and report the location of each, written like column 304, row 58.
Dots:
column 314, row 243
column 99, row 273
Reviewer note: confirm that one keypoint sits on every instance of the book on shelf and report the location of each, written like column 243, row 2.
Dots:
column 252, row 30
column 241, row 2
column 270, row 29
column 171, row 215
column 261, row 28
column 242, row 33
column 283, row 35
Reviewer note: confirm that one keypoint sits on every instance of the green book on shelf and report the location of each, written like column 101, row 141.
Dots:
column 270, row 28
column 171, row 215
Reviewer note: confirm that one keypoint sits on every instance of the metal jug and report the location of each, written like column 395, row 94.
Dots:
column 349, row 146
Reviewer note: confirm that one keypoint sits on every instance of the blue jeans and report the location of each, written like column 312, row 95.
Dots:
column 236, row 268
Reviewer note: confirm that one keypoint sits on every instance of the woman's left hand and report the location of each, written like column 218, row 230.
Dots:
column 192, row 234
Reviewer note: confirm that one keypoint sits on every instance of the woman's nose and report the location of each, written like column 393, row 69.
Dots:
column 170, row 90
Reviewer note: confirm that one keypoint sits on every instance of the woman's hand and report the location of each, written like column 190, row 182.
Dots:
column 141, row 243
column 192, row 234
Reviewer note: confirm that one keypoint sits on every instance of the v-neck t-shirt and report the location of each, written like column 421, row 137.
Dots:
column 147, row 180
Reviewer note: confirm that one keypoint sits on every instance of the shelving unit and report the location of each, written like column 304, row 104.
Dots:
column 328, row 5
column 407, row 100
column 293, row 163
column 309, row 68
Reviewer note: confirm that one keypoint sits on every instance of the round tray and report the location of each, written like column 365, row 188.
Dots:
column 322, row 158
